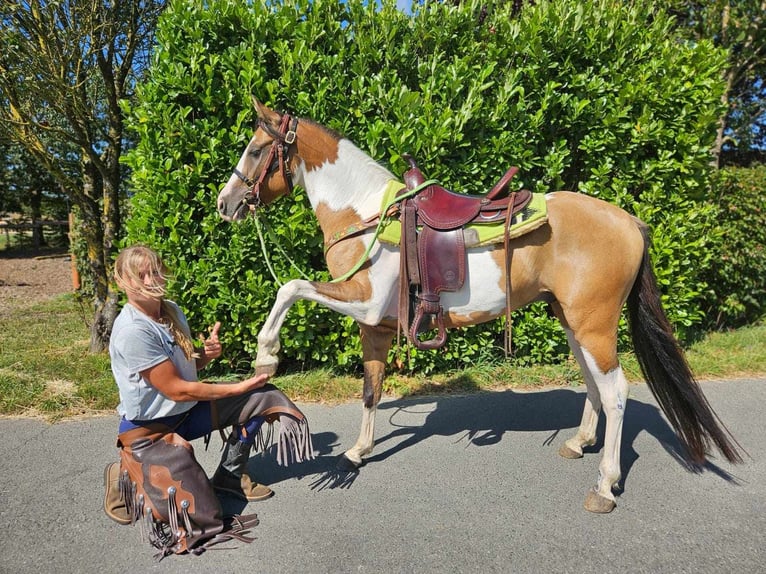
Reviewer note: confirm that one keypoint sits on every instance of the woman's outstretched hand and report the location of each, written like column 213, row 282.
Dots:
column 255, row 382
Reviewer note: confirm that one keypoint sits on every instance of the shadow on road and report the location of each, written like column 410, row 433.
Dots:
column 483, row 419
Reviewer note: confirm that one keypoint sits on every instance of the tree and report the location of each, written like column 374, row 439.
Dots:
column 740, row 28
column 65, row 68
column 10, row 200
column 28, row 188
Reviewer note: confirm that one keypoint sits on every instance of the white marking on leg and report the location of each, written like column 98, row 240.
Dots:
column 613, row 389
column 586, row 433
column 366, row 441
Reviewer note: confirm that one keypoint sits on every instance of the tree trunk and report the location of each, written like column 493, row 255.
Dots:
column 93, row 234
column 721, row 131
column 103, row 320
column 38, row 237
column 720, row 135
column 106, row 307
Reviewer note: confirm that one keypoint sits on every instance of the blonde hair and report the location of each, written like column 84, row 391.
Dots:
column 132, row 265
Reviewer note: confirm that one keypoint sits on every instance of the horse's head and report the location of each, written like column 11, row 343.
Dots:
column 263, row 172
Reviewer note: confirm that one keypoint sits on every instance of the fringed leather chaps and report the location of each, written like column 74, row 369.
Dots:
column 168, row 492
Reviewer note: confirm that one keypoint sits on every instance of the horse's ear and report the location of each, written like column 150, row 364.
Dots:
column 266, row 114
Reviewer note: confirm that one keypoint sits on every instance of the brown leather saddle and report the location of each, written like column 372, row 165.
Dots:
column 433, row 256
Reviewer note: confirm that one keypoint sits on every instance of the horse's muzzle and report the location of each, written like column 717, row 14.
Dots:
column 239, row 211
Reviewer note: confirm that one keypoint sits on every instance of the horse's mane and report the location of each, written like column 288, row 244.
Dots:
column 333, row 133
column 339, row 136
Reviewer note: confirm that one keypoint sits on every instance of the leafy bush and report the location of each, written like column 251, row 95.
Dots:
column 736, row 293
column 598, row 97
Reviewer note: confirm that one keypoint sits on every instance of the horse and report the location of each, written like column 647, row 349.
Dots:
column 587, row 261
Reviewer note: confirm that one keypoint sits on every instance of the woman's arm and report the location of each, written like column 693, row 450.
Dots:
column 165, row 378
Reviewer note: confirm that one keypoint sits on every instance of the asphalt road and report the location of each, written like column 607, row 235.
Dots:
column 457, row 484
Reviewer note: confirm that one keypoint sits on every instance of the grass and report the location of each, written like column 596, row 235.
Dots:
column 45, row 365
column 46, row 369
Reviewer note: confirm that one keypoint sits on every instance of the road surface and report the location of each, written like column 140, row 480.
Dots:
column 468, row 484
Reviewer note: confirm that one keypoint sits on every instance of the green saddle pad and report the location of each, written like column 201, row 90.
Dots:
column 531, row 217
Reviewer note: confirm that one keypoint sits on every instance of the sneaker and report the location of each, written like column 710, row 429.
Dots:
column 114, row 506
column 241, row 487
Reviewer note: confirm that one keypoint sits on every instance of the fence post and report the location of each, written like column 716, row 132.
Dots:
column 72, row 257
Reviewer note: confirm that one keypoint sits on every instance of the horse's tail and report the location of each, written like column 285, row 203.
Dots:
column 667, row 372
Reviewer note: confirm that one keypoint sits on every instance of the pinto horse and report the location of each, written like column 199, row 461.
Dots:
column 586, row 261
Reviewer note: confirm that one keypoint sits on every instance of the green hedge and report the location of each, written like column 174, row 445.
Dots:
column 736, row 278
column 597, row 97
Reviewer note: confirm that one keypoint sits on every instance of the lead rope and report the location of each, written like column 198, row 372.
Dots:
column 275, row 242
column 381, row 223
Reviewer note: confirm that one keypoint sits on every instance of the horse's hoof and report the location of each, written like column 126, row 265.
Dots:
column 345, row 464
column 567, row 452
column 594, row 502
column 269, row 369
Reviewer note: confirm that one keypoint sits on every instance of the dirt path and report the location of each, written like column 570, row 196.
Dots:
column 26, row 277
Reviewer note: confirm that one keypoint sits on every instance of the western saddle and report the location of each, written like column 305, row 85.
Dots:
column 433, row 256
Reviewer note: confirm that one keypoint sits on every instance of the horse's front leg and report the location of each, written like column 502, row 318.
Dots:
column 376, row 342
column 347, row 298
column 267, row 358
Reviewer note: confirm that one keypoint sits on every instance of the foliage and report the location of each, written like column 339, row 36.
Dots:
column 597, row 97
column 681, row 222
column 64, row 67
column 740, row 28
column 736, row 294
column 29, row 190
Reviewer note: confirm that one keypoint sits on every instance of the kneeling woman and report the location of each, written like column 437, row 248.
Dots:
column 163, row 405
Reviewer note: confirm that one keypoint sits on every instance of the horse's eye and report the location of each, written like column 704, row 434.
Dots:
column 255, row 153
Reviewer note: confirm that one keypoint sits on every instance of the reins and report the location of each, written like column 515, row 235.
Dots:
column 274, row 241
column 383, row 218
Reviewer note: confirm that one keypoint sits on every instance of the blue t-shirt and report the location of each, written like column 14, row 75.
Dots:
column 139, row 343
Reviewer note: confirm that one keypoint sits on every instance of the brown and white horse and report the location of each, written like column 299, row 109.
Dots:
column 587, row 261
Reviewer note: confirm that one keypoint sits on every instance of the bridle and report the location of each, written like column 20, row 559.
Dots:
column 277, row 160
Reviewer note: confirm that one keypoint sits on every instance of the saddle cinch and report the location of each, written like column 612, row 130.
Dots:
column 433, row 256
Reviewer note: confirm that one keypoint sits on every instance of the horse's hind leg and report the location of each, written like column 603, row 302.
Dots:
column 596, row 352
column 376, row 342
column 613, row 388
